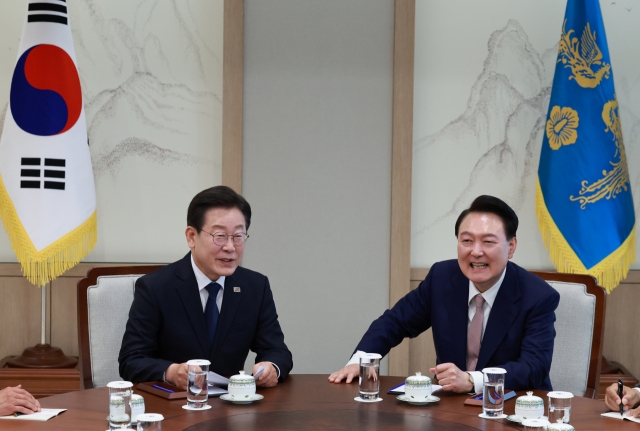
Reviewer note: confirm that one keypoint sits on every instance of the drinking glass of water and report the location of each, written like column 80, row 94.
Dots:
column 560, row 406
column 119, row 404
column 198, row 383
column 493, row 392
column 370, row 376
column 150, row 422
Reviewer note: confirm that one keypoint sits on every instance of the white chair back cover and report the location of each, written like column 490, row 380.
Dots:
column 108, row 305
column 575, row 317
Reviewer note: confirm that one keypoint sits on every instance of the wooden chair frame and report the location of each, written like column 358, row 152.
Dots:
column 83, row 314
column 595, row 362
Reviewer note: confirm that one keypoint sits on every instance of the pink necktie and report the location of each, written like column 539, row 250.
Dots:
column 474, row 335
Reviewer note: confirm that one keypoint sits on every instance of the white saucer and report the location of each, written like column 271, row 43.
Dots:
column 518, row 419
column 248, row 400
column 360, row 400
column 186, row 407
column 408, row 399
column 483, row 416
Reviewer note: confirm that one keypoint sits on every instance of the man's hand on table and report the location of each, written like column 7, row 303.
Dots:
column 630, row 399
column 349, row 373
column 269, row 376
column 15, row 399
column 451, row 378
column 177, row 375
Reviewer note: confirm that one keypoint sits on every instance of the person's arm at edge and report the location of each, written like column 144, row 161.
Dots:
column 409, row 317
column 17, row 400
column 630, row 400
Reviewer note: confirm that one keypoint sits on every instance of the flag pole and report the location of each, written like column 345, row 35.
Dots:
column 43, row 355
column 43, row 332
column 46, row 116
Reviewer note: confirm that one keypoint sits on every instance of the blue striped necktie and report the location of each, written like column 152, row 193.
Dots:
column 211, row 313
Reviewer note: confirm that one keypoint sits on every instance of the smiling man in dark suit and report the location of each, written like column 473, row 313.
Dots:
column 484, row 310
column 205, row 306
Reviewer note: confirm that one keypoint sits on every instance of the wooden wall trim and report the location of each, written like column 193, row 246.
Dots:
column 232, row 93
column 401, row 161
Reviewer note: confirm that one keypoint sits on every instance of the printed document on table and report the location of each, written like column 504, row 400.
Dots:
column 215, row 391
column 616, row 415
column 400, row 389
column 217, row 379
column 43, row 415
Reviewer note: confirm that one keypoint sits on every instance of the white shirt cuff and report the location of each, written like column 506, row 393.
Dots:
column 637, row 389
column 355, row 359
column 277, row 368
column 478, row 381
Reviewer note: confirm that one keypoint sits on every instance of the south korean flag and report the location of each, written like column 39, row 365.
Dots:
column 47, row 191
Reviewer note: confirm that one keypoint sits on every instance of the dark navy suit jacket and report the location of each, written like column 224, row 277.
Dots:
column 166, row 325
column 518, row 337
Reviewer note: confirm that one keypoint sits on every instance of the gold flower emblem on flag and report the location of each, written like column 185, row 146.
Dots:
column 562, row 127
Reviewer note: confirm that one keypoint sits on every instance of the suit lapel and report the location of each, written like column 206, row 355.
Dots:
column 230, row 303
column 187, row 288
column 502, row 315
column 459, row 317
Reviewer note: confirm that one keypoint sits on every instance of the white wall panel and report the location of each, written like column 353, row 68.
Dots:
column 317, row 167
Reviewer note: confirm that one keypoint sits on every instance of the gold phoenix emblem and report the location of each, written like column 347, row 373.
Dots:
column 583, row 57
column 617, row 178
column 562, row 127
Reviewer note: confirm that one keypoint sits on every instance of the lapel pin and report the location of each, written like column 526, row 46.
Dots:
column 236, row 289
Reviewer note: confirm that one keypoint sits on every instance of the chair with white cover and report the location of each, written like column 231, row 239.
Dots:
column 580, row 316
column 104, row 300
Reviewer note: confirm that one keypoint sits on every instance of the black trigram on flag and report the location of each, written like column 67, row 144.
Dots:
column 32, row 171
column 48, row 12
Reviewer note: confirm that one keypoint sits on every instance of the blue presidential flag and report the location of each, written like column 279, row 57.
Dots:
column 583, row 196
column 47, row 193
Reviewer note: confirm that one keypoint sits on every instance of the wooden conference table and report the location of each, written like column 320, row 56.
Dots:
column 308, row 402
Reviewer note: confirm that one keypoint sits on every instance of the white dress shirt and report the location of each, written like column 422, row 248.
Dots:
column 203, row 281
column 489, row 298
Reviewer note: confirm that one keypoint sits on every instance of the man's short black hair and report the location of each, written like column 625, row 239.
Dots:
column 492, row 205
column 216, row 197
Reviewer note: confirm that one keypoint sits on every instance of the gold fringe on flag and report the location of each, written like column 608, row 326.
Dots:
column 609, row 271
column 40, row 267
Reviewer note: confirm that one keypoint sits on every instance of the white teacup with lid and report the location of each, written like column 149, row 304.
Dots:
column 417, row 387
column 242, row 386
column 529, row 406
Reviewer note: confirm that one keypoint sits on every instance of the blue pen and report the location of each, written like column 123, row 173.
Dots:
column 161, row 388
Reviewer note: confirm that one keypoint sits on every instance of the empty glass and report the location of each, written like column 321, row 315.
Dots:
column 119, row 404
column 150, row 422
column 493, row 391
column 198, row 383
column 560, row 406
column 369, row 376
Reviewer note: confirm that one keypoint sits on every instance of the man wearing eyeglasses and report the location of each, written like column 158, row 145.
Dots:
column 205, row 306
